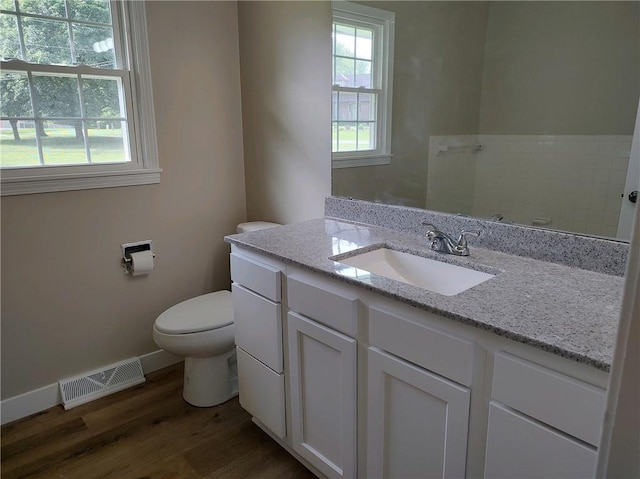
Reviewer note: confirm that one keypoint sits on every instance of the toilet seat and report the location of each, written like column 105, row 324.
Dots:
column 202, row 330
column 196, row 315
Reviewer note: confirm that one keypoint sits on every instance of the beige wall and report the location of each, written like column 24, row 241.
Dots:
column 285, row 51
column 67, row 307
column 437, row 77
column 567, row 83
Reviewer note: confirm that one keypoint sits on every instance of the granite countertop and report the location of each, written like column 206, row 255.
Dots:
column 567, row 311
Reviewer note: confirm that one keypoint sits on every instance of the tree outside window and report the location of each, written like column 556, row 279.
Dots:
column 53, row 112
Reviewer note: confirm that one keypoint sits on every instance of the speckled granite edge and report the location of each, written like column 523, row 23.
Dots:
column 584, row 252
column 505, row 333
column 570, row 312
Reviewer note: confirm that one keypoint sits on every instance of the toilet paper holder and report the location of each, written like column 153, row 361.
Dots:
column 129, row 248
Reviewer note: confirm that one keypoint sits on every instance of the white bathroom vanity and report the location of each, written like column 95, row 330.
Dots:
column 361, row 376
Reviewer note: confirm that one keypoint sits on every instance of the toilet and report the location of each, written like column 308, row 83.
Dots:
column 202, row 330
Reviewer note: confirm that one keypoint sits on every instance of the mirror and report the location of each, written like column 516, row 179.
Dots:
column 516, row 111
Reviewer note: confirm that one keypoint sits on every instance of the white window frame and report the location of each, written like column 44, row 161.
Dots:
column 384, row 22
column 144, row 167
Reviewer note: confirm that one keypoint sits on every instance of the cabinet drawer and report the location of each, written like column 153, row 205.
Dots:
column 430, row 348
column 258, row 326
column 264, row 280
column 519, row 447
column 560, row 401
column 261, row 392
column 324, row 304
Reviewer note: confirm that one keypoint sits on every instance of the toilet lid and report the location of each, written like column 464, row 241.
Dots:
column 255, row 226
column 202, row 313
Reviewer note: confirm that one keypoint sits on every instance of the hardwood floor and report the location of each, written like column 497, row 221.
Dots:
column 146, row 432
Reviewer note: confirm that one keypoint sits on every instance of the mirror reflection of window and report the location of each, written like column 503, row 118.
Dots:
column 522, row 108
column 362, row 39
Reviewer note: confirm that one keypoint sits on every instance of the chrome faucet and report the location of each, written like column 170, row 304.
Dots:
column 441, row 242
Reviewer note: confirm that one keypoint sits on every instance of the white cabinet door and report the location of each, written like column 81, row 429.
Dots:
column 417, row 422
column 322, row 371
column 519, row 447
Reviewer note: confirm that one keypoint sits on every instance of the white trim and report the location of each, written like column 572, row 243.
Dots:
column 49, row 396
column 362, row 10
column 140, row 124
column 30, row 402
column 619, row 442
column 16, row 65
column 337, row 163
column 157, row 360
column 104, row 179
column 627, row 210
column 143, row 112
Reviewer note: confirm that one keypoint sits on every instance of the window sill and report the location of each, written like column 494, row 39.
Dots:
column 25, row 185
column 337, row 163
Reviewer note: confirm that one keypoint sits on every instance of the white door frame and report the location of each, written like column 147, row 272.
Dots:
column 628, row 209
column 620, row 441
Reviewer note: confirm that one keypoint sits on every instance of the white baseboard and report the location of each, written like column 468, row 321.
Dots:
column 157, row 360
column 45, row 397
column 30, row 403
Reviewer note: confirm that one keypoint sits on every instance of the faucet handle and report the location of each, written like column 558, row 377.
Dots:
column 433, row 227
column 462, row 240
column 433, row 230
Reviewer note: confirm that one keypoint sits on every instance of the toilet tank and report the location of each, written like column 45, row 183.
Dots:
column 255, row 226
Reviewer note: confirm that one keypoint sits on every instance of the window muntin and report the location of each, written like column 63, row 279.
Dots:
column 356, row 89
column 362, row 40
column 352, row 55
column 95, row 104
column 354, row 126
column 59, row 32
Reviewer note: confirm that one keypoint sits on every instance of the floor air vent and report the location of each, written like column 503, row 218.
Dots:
column 102, row 382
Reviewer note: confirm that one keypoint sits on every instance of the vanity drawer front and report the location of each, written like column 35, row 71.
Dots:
column 258, row 326
column 261, row 392
column 560, row 401
column 435, row 350
column 261, row 278
column 325, row 304
column 518, row 446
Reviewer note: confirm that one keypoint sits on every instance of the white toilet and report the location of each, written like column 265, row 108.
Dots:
column 201, row 329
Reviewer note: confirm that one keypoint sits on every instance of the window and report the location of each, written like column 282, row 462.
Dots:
column 76, row 108
column 362, row 84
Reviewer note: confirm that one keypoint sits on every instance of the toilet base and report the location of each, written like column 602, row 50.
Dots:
column 207, row 381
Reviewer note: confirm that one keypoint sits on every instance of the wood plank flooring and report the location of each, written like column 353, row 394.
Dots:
column 146, row 432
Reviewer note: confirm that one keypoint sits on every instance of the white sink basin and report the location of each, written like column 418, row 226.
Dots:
column 443, row 278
